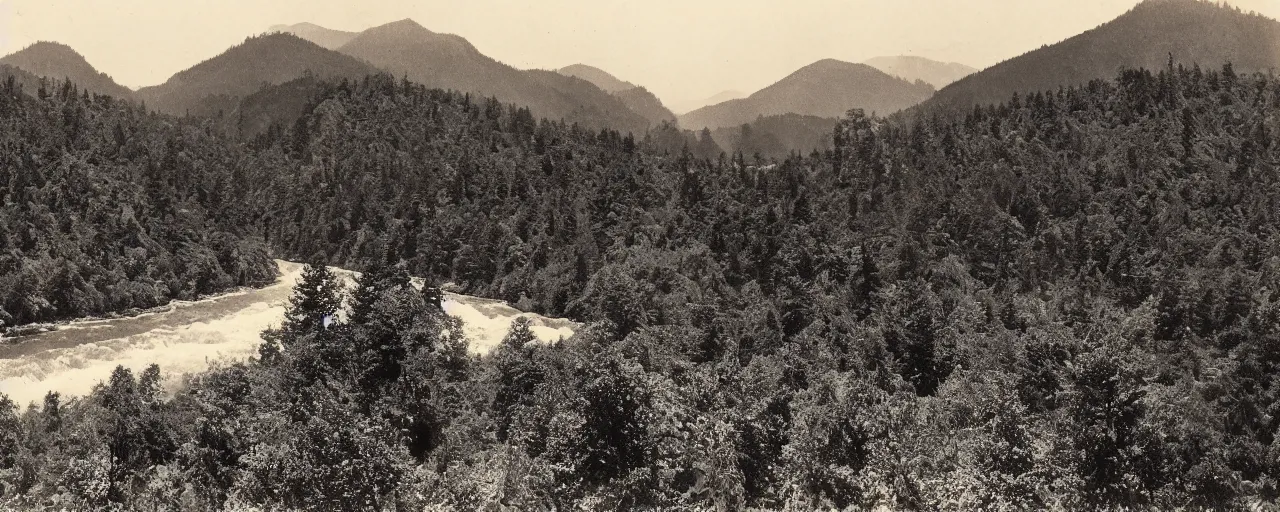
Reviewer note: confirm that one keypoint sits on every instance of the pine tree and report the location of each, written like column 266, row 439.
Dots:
column 317, row 296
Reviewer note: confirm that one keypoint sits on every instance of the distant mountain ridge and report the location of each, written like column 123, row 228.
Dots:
column 827, row 88
column 405, row 48
column 325, row 37
column 636, row 98
column 912, row 68
column 597, row 76
column 1191, row 32
column 219, row 83
column 59, row 61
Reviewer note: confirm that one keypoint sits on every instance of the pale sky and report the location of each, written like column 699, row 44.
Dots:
column 681, row 50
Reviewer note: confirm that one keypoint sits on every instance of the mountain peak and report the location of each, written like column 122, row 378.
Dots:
column 58, row 61
column 326, row 37
column 1193, row 32
column 826, row 64
column 827, row 88
column 218, row 82
column 401, row 27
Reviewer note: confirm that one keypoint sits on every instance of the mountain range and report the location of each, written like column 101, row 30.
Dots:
column 827, row 88
column 447, row 61
column 1151, row 35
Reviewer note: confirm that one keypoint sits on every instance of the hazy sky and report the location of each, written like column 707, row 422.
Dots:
column 681, row 50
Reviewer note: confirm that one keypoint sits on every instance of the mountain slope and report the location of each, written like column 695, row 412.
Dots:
column 447, row 61
column 778, row 136
column 325, row 37
column 636, row 98
column 827, row 88
column 219, row 83
column 643, row 102
column 937, row 74
column 22, row 80
column 1193, row 32
column 597, row 76
column 58, row 61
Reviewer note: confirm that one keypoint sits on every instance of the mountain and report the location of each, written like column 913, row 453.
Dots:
column 597, row 76
column 447, row 61
column 636, row 98
column 1191, row 31
column 325, row 37
column 59, row 61
column 937, row 74
column 219, row 83
column 643, row 102
column 827, row 88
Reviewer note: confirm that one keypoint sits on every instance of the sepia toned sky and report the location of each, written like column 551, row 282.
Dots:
column 680, row 50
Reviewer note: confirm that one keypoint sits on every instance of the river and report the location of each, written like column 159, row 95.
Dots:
column 190, row 337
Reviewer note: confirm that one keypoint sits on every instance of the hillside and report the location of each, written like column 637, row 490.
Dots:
column 778, row 136
column 912, row 68
column 636, row 98
column 219, row 83
column 827, row 88
column 597, row 76
column 643, row 102
column 447, row 61
column 22, row 79
column 1031, row 308
column 59, row 61
column 1191, row 31
column 325, row 37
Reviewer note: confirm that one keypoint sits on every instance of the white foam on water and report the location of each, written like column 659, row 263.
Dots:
column 217, row 336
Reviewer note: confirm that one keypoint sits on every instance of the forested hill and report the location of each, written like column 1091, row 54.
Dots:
column 447, row 61
column 827, row 88
column 1188, row 32
column 105, row 208
column 218, row 84
column 58, row 61
column 1068, row 300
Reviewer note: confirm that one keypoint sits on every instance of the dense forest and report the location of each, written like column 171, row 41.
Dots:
column 1067, row 300
column 107, row 208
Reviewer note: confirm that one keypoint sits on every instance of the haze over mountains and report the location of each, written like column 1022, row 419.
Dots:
column 827, row 88
column 326, row 37
column 636, row 98
column 59, row 61
column 912, row 68
column 600, row 77
column 1190, row 32
column 686, row 106
column 790, row 111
